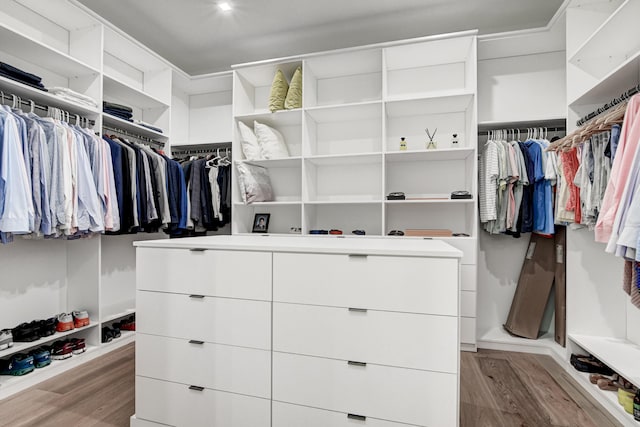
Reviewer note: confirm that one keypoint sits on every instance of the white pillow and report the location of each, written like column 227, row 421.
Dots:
column 271, row 141
column 255, row 185
column 249, row 143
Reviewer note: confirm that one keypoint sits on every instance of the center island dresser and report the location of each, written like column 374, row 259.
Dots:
column 261, row 331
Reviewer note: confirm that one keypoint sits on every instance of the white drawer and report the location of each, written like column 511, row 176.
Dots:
column 287, row 415
column 469, row 277
column 469, row 248
column 216, row 320
column 467, row 304
column 395, row 394
column 215, row 366
column 177, row 405
column 407, row 284
column 468, row 330
column 230, row 274
column 385, row 338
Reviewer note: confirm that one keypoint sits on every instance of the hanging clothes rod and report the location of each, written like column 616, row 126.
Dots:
column 628, row 94
column 16, row 100
column 524, row 130
column 123, row 132
column 192, row 151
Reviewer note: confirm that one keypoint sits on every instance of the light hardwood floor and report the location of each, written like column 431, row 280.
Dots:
column 498, row 389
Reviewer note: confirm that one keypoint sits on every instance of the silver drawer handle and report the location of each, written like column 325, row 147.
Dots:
column 356, row 417
column 196, row 388
column 357, row 310
column 358, row 255
column 196, row 342
column 196, row 296
column 197, row 249
column 354, row 363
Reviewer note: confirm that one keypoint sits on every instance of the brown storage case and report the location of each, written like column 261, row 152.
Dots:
column 561, row 285
column 534, row 288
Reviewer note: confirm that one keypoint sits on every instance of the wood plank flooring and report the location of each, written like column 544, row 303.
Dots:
column 498, row 389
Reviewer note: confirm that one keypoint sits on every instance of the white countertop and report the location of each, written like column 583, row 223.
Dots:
column 313, row 244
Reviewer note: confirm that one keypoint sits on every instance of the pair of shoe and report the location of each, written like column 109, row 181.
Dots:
column 41, row 357
column 6, row 339
column 590, row 364
column 34, row 330
column 19, row 364
column 109, row 334
column 64, row 349
column 75, row 319
column 611, row 383
column 128, row 324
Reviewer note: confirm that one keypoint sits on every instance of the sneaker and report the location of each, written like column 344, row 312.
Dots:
column 115, row 330
column 129, row 324
column 6, row 339
column 47, row 327
column 78, row 345
column 26, row 332
column 107, row 334
column 61, row 350
column 80, row 318
column 19, row 364
column 65, row 322
column 41, row 357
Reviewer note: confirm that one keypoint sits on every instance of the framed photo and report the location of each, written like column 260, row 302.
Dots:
column 261, row 223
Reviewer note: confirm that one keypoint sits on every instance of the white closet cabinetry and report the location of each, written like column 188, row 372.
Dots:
column 603, row 59
column 272, row 350
column 69, row 47
column 344, row 144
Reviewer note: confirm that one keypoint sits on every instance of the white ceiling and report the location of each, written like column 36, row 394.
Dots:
column 197, row 37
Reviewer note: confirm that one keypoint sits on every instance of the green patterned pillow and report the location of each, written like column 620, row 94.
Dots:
column 294, row 95
column 279, row 89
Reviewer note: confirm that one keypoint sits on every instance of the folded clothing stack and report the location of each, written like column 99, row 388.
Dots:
column 147, row 125
column 73, row 96
column 120, row 111
column 13, row 73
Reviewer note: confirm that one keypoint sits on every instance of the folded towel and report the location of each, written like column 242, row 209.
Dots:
column 68, row 94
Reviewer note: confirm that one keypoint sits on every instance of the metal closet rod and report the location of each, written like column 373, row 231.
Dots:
column 628, row 94
column 525, row 130
column 212, row 150
column 45, row 108
column 133, row 135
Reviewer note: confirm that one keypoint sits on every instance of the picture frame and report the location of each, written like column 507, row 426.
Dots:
column 261, row 223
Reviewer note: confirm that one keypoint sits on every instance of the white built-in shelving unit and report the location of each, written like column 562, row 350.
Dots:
column 603, row 61
column 344, row 143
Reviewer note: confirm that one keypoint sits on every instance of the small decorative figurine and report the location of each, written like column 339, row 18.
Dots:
column 431, row 145
column 454, row 140
column 403, row 144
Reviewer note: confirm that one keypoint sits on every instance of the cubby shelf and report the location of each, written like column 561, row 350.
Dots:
column 277, row 118
column 45, row 98
column 427, row 155
column 621, row 24
column 118, row 89
column 112, row 315
column 287, row 162
column 22, row 46
column 433, row 200
column 345, row 159
column 119, row 123
column 23, row 346
column 292, row 203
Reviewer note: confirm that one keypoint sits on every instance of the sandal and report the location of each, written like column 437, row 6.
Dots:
column 607, row 384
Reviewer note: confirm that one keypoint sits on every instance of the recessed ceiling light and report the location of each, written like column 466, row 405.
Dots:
column 224, row 6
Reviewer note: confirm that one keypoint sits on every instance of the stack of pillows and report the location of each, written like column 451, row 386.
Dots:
column 285, row 96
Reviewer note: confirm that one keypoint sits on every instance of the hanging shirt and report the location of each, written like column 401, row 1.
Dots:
column 606, row 227
column 16, row 207
column 534, row 151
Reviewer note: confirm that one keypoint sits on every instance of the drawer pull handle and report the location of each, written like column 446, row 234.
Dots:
column 354, row 363
column 196, row 342
column 197, row 249
column 196, row 388
column 356, row 417
column 358, row 255
column 196, row 296
column 358, row 310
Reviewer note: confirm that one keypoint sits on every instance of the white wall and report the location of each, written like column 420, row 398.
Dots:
column 522, row 88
